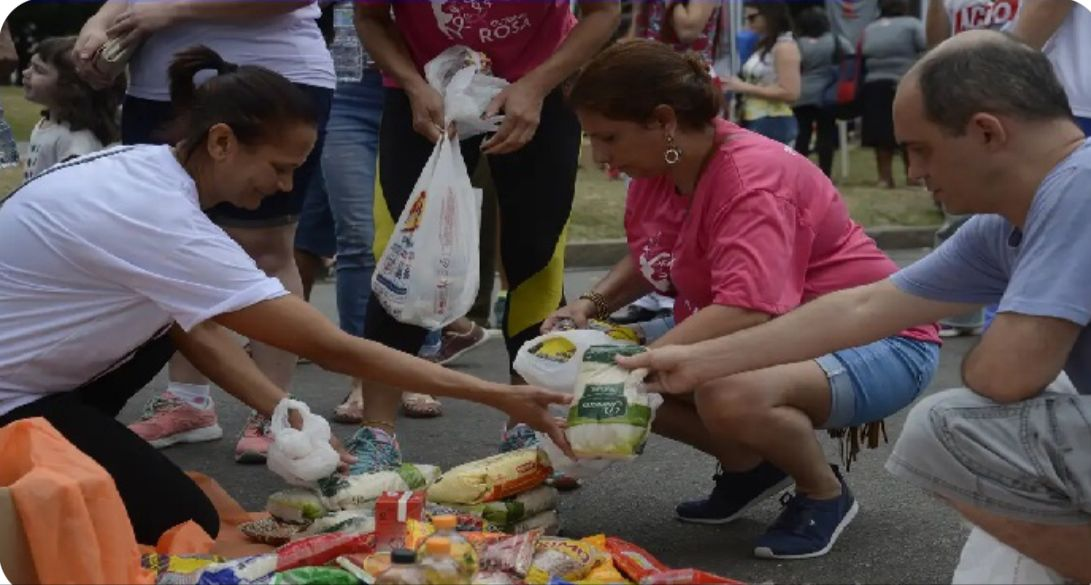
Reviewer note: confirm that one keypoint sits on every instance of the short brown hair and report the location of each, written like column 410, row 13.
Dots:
column 631, row 78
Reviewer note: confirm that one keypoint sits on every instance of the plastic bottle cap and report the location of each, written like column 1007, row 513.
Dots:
column 403, row 556
column 445, row 522
column 439, row 546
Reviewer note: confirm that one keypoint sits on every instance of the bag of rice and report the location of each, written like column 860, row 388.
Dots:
column 492, row 478
column 553, row 360
column 354, row 492
column 612, row 413
column 295, row 505
column 514, row 509
column 548, row 522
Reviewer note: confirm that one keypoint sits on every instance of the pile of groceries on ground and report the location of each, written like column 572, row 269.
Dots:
column 492, row 520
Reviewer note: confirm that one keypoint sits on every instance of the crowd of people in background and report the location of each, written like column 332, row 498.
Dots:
column 286, row 145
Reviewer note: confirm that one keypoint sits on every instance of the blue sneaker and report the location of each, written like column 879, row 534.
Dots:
column 734, row 494
column 807, row 528
column 518, row 437
column 375, row 450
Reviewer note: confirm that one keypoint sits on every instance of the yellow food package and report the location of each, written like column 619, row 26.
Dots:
column 492, row 478
column 604, row 573
column 615, row 331
column 569, row 560
column 416, row 532
column 178, row 563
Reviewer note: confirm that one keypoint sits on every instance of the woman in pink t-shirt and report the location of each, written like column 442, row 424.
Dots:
column 532, row 157
column 740, row 229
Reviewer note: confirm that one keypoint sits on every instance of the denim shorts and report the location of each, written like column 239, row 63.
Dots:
column 871, row 382
column 1026, row 460
column 783, row 129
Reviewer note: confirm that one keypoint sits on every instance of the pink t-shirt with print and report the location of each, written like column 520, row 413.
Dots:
column 516, row 35
column 766, row 231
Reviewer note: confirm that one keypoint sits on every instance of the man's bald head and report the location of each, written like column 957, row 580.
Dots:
column 985, row 71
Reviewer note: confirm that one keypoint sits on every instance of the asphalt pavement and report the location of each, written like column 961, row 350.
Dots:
column 900, row 536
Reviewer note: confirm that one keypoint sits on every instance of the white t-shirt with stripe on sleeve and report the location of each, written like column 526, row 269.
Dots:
column 99, row 254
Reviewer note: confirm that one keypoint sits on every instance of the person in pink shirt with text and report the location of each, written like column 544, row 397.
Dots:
column 536, row 45
column 740, row 229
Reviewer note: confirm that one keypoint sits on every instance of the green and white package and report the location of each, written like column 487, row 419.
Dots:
column 612, row 413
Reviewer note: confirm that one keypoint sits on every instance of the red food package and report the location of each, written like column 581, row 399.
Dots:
column 392, row 510
column 633, row 561
column 482, row 540
column 320, row 549
column 685, row 577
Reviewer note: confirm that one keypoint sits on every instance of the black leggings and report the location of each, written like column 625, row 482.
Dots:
column 534, row 185
column 826, row 139
column 156, row 493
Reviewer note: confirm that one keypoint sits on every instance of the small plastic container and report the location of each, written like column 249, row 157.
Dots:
column 461, row 550
column 438, row 566
column 403, row 569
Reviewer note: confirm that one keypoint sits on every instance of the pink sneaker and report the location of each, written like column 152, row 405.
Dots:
column 254, row 443
column 168, row 420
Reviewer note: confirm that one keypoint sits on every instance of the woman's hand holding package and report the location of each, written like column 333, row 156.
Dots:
column 673, row 369
column 521, row 103
column 530, row 405
column 579, row 313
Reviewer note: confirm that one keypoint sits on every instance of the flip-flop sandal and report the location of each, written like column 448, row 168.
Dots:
column 421, row 406
column 349, row 411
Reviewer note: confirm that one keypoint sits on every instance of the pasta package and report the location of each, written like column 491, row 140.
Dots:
column 612, row 413
column 493, row 478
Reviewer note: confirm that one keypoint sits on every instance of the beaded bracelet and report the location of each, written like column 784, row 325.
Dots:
column 602, row 308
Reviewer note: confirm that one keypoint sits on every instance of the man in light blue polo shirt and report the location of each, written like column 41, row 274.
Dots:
column 989, row 129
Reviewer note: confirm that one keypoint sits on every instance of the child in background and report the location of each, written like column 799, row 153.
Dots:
column 77, row 118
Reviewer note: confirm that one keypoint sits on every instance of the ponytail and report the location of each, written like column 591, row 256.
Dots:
column 254, row 101
column 186, row 65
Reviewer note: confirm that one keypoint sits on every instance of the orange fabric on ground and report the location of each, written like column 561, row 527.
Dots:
column 73, row 517
column 231, row 542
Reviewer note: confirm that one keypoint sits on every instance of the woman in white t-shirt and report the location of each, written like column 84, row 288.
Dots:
column 282, row 36
column 108, row 263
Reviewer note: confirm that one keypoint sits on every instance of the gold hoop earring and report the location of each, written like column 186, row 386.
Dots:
column 672, row 154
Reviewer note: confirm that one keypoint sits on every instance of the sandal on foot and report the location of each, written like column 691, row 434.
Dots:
column 349, row 411
column 420, row 406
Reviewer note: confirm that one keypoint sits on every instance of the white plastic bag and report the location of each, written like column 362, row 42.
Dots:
column 986, row 560
column 428, row 274
column 300, row 457
column 553, row 360
column 457, row 75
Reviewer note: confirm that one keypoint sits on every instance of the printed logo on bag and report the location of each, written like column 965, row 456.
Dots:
column 602, row 401
column 412, row 222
